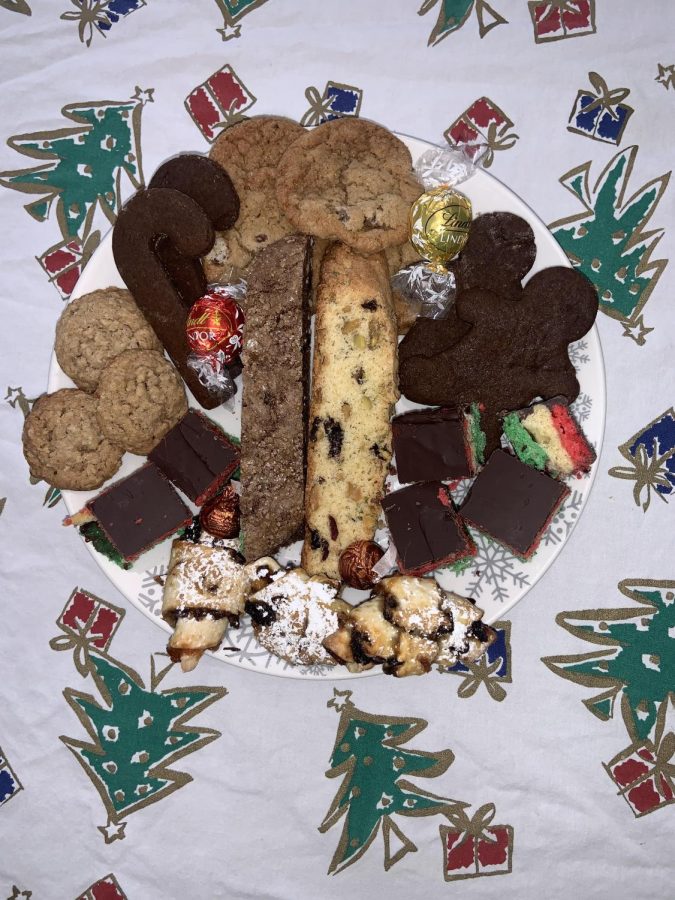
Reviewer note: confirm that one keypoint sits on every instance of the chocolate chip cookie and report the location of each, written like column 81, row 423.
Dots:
column 141, row 397
column 349, row 180
column 63, row 442
column 250, row 152
column 96, row 328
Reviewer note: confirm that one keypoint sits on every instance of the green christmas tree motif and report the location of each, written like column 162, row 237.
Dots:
column 81, row 167
column 136, row 735
column 233, row 11
column 607, row 241
column 16, row 398
column 368, row 753
column 452, row 14
column 636, row 659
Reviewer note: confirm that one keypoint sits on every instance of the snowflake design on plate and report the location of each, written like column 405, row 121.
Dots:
column 578, row 354
column 459, row 490
column 496, row 570
column 564, row 520
column 240, row 644
column 581, row 408
column 152, row 588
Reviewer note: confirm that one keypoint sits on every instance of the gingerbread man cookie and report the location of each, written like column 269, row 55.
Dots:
column 514, row 350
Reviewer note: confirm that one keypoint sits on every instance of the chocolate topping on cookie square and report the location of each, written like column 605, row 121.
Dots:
column 425, row 528
column 512, row 502
column 139, row 511
column 431, row 444
column 196, row 456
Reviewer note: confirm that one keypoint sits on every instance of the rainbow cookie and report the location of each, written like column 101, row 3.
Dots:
column 546, row 436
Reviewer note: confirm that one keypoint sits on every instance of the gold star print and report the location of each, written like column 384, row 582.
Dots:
column 143, row 95
column 340, row 700
column 666, row 76
column 113, row 831
column 229, row 32
column 637, row 330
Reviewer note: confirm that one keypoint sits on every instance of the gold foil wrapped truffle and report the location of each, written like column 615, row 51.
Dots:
column 439, row 224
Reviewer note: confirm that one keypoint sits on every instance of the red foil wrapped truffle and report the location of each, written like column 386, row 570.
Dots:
column 356, row 564
column 215, row 324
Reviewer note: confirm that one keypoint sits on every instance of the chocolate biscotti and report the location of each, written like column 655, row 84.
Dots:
column 353, row 394
column 275, row 356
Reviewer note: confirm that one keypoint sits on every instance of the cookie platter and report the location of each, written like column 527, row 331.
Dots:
column 494, row 577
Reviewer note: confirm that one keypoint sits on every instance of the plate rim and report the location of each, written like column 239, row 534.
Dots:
column 338, row 673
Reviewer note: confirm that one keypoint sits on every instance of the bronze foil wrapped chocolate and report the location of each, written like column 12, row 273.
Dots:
column 220, row 516
column 356, row 564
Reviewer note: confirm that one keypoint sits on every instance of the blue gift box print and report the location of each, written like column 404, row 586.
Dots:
column 116, row 10
column 599, row 113
column 336, row 101
column 343, row 101
column 658, row 440
column 9, row 783
column 497, row 651
column 651, row 460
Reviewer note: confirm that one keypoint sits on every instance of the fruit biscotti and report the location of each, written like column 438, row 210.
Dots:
column 354, row 389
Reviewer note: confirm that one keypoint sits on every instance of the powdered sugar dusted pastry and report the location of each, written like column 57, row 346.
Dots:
column 408, row 625
column 205, row 591
column 293, row 616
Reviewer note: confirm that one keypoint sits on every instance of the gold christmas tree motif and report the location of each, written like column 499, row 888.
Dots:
column 233, row 11
column 136, row 734
column 634, row 659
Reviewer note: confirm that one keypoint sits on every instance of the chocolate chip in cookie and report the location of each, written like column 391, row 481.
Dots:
column 349, row 180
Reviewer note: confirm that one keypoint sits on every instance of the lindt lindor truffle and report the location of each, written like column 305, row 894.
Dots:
column 440, row 221
column 439, row 224
column 214, row 330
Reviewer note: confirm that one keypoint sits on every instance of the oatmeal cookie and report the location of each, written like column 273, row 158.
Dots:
column 141, row 397
column 96, row 328
column 63, row 442
column 250, row 152
column 349, row 180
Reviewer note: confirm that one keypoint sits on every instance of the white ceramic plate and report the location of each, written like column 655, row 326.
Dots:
column 496, row 579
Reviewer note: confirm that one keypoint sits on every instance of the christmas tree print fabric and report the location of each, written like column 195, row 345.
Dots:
column 550, row 762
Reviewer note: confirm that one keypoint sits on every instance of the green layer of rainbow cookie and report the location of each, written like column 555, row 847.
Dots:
column 547, row 437
column 474, row 436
